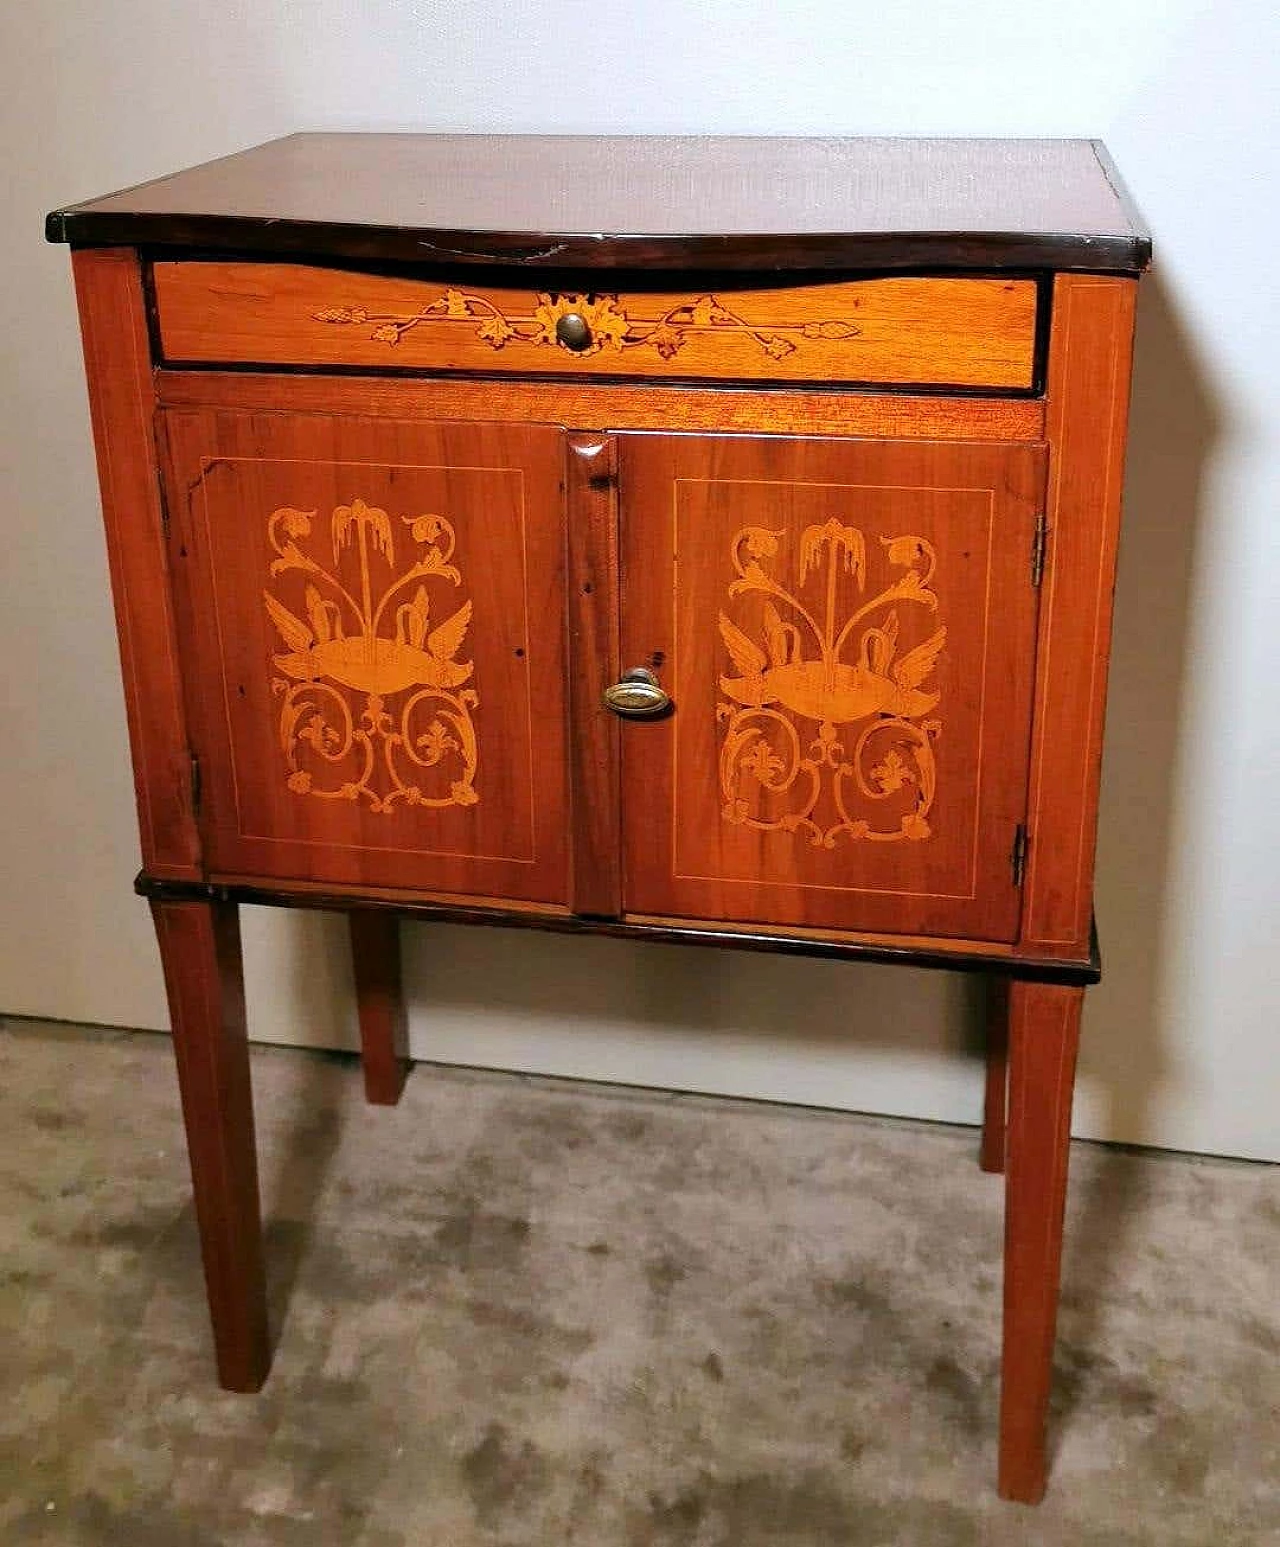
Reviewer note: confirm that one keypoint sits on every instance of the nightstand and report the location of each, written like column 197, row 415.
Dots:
column 693, row 540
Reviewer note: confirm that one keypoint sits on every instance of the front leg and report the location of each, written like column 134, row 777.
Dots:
column 200, row 952
column 1044, row 1033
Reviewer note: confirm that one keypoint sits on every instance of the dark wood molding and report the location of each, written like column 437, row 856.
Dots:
column 1128, row 204
column 964, row 957
column 900, row 251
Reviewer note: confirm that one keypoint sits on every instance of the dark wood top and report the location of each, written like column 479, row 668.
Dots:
column 630, row 202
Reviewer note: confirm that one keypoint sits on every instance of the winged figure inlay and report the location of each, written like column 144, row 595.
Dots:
column 382, row 649
column 811, row 664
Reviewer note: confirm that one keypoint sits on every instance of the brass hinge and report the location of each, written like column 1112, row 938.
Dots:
column 197, row 785
column 1018, row 854
column 1038, row 545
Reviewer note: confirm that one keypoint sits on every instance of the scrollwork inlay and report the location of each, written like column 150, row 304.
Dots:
column 416, row 713
column 810, row 665
column 611, row 329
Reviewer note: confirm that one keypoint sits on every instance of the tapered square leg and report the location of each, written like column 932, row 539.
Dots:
column 200, row 952
column 1044, row 1034
column 384, row 1034
column 994, row 1105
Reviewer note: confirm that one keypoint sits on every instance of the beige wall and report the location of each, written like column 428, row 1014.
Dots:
column 1181, row 1039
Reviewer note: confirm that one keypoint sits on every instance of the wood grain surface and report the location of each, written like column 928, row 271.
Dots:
column 1088, row 406
column 593, row 665
column 384, row 1024
column 373, row 626
column 1044, row 1033
column 200, row 953
column 615, row 405
column 121, row 400
column 847, row 631
column 963, row 332
column 995, row 1098
column 641, row 201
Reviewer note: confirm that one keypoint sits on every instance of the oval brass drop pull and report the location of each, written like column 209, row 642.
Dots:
column 637, row 695
column 574, row 331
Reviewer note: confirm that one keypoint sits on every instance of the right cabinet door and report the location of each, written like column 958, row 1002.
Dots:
column 848, row 630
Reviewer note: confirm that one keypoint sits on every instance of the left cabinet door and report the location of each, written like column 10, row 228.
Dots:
column 371, row 615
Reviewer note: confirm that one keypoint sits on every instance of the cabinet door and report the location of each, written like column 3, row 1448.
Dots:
column 372, row 631
column 847, row 629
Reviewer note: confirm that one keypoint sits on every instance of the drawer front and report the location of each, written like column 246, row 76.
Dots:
column 962, row 332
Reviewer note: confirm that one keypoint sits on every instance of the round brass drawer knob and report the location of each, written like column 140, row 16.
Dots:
column 637, row 695
column 573, row 331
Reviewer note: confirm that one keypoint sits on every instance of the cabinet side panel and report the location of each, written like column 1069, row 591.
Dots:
column 121, row 399
column 1088, row 402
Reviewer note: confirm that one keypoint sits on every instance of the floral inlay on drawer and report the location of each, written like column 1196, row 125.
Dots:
column 587, row 324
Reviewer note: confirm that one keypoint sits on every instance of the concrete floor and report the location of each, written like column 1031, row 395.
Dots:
column 514, row 1312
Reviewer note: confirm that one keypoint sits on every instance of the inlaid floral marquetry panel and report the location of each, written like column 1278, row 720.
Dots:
column 847, row 630
column 377, row 607
column 825, row 718
column 373, row 693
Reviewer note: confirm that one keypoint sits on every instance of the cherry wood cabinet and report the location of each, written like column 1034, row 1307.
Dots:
column 742, row 580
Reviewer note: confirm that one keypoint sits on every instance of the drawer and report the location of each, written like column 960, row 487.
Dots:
column 945, row 332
